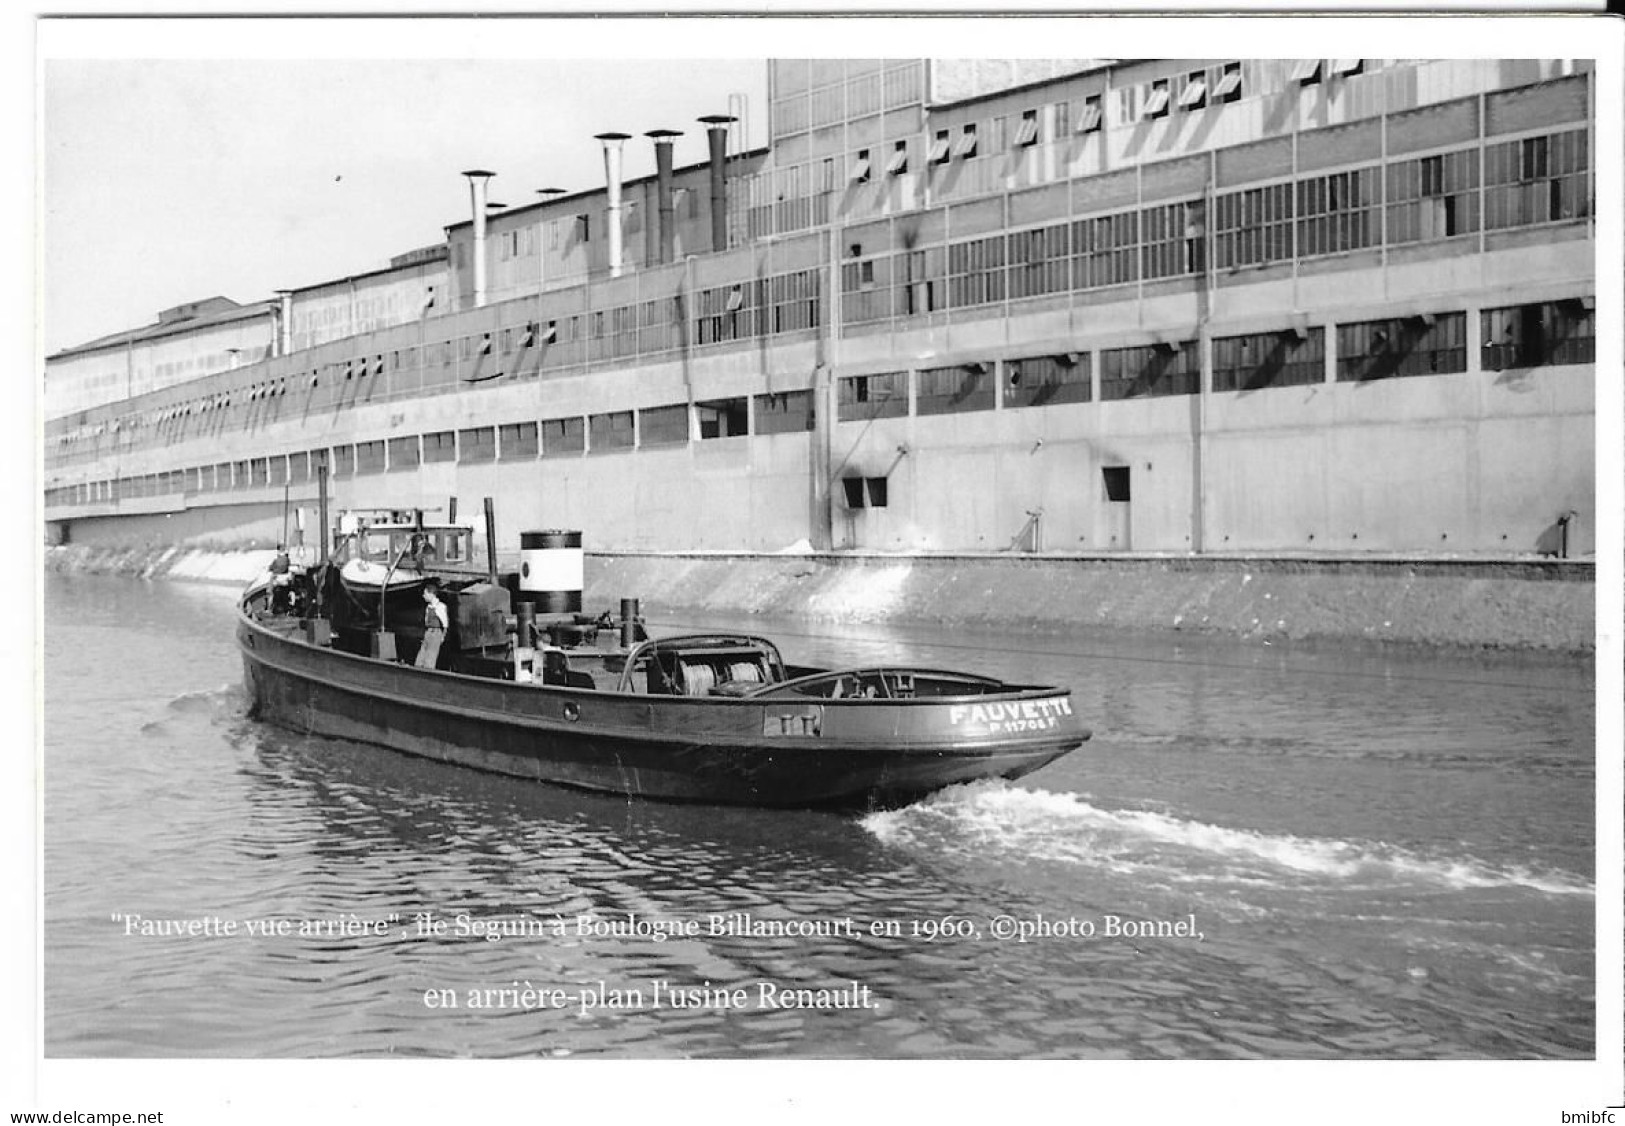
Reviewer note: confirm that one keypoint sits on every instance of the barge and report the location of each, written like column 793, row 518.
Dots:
column 526, row 685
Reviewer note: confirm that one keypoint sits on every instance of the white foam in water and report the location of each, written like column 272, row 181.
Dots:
column 1051, row 826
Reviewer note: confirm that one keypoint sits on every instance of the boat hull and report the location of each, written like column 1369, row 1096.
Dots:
column 777, row 752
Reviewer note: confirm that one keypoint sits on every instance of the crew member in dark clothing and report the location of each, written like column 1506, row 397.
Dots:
column 281, row 581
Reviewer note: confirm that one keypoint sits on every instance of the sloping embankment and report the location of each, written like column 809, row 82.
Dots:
column 1506, row 604
column 1534, row 605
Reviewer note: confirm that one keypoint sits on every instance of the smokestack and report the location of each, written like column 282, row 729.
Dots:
column 612, row 182
column 716, row 126
column 284, row 322
column 663, row 139
column 477, row 178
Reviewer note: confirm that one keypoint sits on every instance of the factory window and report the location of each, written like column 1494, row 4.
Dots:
column 1306, row 72
column 1347, row 68
column 1252, row 227
column 864, row 397
column 1337, row 213
column 940, row 148
column 277, row 471
column 663, row 426
column 1269, row 359
column 1106, row 250
column 785, row 412
column 301, row 467
column 953, row 389
column 1172, row 236
column 965, row 147
column 1229, row 85
column 728, row 312
column 620, row 326
column 477, row 444
column 864, row 492
column 921, row 282
column 1433, row 197
column 516, row 441
column 1550, row 332
column 1156, row 102
column 343, row 461
column 975, row 272
column 440, row 446
column 563, row 436
column 403, row 452
column 1060, row 120
column 369, row 457
column 998, row 132
column 1039, row 260
column 862, row 299
column 1089, row 120
column 1028, row 133
column 1040, row 381
column 794, row 300
column 1156, row 369
column 898, row 164
column 1536, row 180
column 610, row 432
column 1194, row 94
column 1427, row 344
column 724, row 418
column 660, row 324
column 860, row 168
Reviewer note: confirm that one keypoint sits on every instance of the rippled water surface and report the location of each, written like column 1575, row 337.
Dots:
column 1384, row 856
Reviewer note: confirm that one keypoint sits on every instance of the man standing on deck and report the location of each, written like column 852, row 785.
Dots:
column 435, row 621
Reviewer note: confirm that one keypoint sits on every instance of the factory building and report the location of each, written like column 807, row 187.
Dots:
column 1083, row 306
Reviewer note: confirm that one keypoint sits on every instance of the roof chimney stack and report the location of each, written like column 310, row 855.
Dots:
column 663, row 139
column 612, row 181
column 284, row 322
column 477, row 180
column 716, row 126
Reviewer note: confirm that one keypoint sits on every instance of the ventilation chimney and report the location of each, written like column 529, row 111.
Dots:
column 477, row 179
column 612, row 182
column 663, row 139
column 716, row 127
column 284, row 322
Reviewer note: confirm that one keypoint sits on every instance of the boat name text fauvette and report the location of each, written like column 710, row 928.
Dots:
column 1013, row 715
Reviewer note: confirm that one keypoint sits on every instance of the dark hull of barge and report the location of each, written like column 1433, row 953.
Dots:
column 864, row 754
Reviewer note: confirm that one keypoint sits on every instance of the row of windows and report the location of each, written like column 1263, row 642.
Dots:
column 763, row 307
column 1526, row 181
column 1559, row 332
column 776, row 413
column 790, row 199
column 1433, row 197
column 1514, row 337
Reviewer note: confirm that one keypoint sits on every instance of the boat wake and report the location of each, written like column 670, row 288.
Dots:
column 995, row 816
column 224, row 702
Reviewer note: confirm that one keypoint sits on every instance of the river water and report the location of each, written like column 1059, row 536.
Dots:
column 1264, row 852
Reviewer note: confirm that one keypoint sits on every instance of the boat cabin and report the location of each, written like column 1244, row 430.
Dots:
column 384, row 536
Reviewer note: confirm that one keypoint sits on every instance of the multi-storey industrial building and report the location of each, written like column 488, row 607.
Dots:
column 1337, row 305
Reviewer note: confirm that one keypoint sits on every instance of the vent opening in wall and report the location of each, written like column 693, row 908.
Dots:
column 1116, row 479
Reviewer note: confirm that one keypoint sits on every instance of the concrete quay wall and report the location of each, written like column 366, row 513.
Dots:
column 1519, row 604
